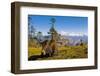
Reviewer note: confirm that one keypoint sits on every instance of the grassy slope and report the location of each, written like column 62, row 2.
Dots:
column 69, row 52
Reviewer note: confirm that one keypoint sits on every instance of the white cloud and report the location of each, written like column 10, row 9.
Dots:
column 76, row 34
column 63, row 33
column 71, row 34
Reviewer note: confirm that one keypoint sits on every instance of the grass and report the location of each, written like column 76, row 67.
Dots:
column 68, row 52
column 34, row 51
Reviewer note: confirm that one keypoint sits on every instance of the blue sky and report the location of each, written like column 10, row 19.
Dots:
column 64, row 24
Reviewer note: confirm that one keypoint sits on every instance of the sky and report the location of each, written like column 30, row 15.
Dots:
column 65, row 25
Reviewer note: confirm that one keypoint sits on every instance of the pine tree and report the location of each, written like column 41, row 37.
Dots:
column 31, row 29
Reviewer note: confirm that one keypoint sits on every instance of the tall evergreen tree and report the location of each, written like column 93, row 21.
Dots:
column 31, row 29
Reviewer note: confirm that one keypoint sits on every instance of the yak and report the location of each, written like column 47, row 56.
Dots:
column 49, row 47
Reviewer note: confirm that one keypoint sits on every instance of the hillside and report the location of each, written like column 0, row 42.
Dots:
column 70, row 52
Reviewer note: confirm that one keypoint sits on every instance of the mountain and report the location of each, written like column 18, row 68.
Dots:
column 73, row 40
